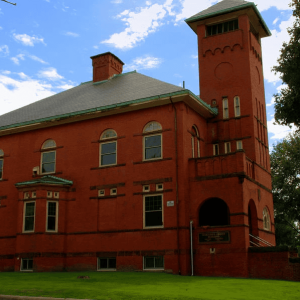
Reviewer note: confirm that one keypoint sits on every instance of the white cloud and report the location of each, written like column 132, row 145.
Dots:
column 140, row 63
column 33, row 57
column 279, row 132
column 116, row 1
column 28, row 40
column 73, row 34
column 16, row 93
column 275, row 21
column 17, row 58
column 266, row 4
column 65, row 86
column 4, row 51
column 271, row 48
column 50, row 74
column 139, row 25
column 195, row 56
column 1, row 28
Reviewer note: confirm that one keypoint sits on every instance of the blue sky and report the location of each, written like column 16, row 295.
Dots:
column 45, row 45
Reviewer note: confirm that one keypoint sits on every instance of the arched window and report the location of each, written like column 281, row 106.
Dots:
column 108, row 148
column 1, row 163
column 266, row 219
column 214, row 212
column 152, row 141
column 48, row 158
column 195, row 142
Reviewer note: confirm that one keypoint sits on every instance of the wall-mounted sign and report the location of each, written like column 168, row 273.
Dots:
column 214, row 237
column 170, row 203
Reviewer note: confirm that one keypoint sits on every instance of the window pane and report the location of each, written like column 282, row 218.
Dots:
column 236, row 24
column 109, row 159
column 149, row 262
column 159, row 262
column 49, row 167
column 30, row 264
column 230, row 25
column 111, row 263
column 220, row 28
column 108, row 148
column 153, row 218
column 51, row 223
column 152, row 126
column 1, row 152
column 29, row 223
column 108, row 134
column 103, row 263
column 153, row 153
column 49, row 144
column 225, row 26
column 153, row 203
column 237, row 111
column 51, row 208
column 214, row 29
column 1, row 164
column 48, row 157
column 208, row 30
column 29, row 211
column 24, row 264
column 153, row 141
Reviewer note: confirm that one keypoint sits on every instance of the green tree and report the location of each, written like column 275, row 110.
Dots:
column 287, row 103
column 285, row 168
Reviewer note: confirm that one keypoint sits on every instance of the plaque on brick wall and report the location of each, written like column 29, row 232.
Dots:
column 214, row 237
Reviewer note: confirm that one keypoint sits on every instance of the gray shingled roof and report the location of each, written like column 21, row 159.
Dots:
column 215, row 9
column 119, row 89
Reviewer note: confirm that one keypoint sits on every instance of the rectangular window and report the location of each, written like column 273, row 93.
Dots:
column 222, row 27
column 216, row 149
column 153, row 262
column 52, row 209
column 227, row 147
column 153, row 206
column 29, row 213
column 108, row 154
column 106, row 264
column 159, row 186
column 239, row 145
column 27, row 264
column 146, row 188
column 225, row 109
column 152, row 147
column 1, row 169
column 113, row 191
column 48, row 162
column 101, row 193
column 237, row 109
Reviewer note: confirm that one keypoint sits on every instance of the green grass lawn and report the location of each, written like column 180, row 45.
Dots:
column 138, row 286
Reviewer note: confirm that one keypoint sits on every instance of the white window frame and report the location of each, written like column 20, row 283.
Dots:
column 153, row 269
column 56, row 195
column 101, row 193
column 33, row 194
column 49, row 194
column 113, row 191
column 144, row 147
column 106, row 269
column 52, row 147
column 24, row 212
column 216, row 146
column 239, row 145
column 116, row 153
column 146, row 188
column 56, row 217
column 144, row 211
column 237, row 106
column 158, row 188
column 111, row 139
column 225, row 108
column 21, row 266
column 266, row 219
column 227, row 147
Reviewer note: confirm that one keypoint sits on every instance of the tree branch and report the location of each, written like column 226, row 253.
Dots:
column 288, row 223
column 9, row 2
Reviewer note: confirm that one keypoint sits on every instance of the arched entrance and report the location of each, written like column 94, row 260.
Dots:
column 252, row 221
column 214, row 212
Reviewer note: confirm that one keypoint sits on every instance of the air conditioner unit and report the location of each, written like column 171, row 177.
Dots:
column 26, row 195
column 36, row 171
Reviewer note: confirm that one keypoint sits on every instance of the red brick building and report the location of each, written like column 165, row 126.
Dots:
column 120, row 172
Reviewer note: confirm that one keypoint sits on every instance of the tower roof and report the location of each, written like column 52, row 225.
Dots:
column 224, row 7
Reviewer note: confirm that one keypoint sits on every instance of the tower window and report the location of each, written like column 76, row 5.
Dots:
column 237, row 108
column 216, row 149
column 227, row 147
column 225, row 109
column 222, row 27
column 239, row 145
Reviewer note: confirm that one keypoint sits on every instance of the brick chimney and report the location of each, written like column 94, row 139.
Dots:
column 105, row 66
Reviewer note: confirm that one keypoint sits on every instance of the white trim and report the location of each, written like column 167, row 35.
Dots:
column 225, row 147
column 112, row 193
column 24, row 210
column 216, row 146
column 157, row 187
column 56, row 217
column 144, row 212
column 239, row 145
column 237, row 106
column 145, row 188
column 99, row 193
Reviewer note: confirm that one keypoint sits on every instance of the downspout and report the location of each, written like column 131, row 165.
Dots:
column 177, row 196
column 192, row 254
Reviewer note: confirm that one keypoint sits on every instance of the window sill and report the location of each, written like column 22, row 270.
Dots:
column 153, row 227
column 26, row 270
column 151, row 160
column 106, row 270
column 153, row 270
column 110, row 166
